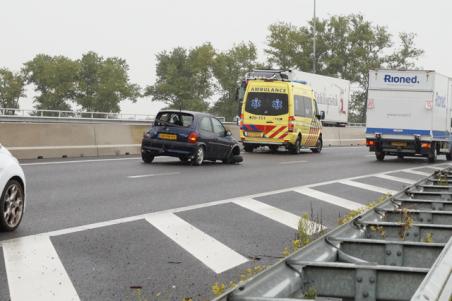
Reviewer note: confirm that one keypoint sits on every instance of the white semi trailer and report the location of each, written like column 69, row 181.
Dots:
column 409, row 114
column 332, row 94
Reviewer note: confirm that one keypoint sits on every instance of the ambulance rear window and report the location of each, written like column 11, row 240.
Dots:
column 269, row 104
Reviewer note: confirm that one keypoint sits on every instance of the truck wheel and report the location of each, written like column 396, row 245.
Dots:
column 318, row 146
column 147, row 158
column 248, row 148
column 380, row 156
column 449, row 157
column 296, row 148
column 432, row 156
column 400, row 157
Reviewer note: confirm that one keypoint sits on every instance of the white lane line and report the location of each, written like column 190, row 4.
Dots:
column 35, row 272
column 154, row 175
column 273, row 213
column 191, row 207
column 435, row 167
column 209, row 251
column 88, row 161
column 392, row 178
column 293, row 162
column 329, row 198
column 367, row 186
column 417, row 172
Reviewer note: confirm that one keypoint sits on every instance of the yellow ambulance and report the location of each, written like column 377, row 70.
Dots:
column 278, row 112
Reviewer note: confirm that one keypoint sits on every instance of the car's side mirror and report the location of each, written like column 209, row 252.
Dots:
column 228, row 133
column 320, row 116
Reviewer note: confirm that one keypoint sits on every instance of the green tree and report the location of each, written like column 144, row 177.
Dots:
column 12, row 87
column 55, row 78
column 405, row 57
column 291, row 47
column 346, row 47
column 184, row 78
column 229, row 67
column 103, row 84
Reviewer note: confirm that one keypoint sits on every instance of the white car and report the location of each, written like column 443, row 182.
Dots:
column 12, row 188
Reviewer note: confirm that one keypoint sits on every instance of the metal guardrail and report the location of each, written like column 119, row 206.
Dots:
column 400, row 250
column 51, row 114
column 11, row 113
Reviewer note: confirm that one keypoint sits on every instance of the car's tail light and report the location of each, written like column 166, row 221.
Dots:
column 291, row 123
column 193, row 137
column 370, row 142
column 425, row 145
column 241, row 121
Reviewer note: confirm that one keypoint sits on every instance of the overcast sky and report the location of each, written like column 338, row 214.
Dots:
column 137, row 30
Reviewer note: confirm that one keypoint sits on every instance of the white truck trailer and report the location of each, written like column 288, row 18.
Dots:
column 332, row 94
column 409, row 114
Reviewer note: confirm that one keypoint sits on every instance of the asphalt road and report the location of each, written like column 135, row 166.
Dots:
column 97, row 227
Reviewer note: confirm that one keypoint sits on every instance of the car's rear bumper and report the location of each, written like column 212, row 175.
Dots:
column 158, row 147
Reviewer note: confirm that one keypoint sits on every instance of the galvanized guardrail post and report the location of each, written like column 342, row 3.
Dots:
column 400, row 250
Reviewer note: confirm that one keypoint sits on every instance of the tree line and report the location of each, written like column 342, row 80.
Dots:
column 346, row 47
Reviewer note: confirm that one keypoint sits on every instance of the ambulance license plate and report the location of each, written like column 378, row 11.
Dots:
column 399, row 144
column 255, row 134
column 168, row 136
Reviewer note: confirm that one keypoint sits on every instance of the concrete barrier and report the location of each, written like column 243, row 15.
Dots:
column 343, row 136
column 56, row 140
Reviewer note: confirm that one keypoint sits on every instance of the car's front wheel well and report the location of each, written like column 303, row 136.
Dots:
column 21, row 182
column 236, row 150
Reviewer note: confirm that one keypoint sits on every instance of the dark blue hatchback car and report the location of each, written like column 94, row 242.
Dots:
column 190, row 136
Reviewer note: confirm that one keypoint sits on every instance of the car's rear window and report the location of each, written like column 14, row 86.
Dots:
column 269, row 104
column 174, row 119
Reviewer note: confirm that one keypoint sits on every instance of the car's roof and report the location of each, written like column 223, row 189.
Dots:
column 194, row 113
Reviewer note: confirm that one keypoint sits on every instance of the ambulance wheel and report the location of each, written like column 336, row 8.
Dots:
column 248, row 148
column 318, row 147
column 274, row 148
column 380, row 156
column 400, row 156
column 296, row 148
column 432, row 156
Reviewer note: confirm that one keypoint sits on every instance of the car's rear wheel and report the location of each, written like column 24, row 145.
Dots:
column 147, row 158
column 12, row 204
column 198, row 157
